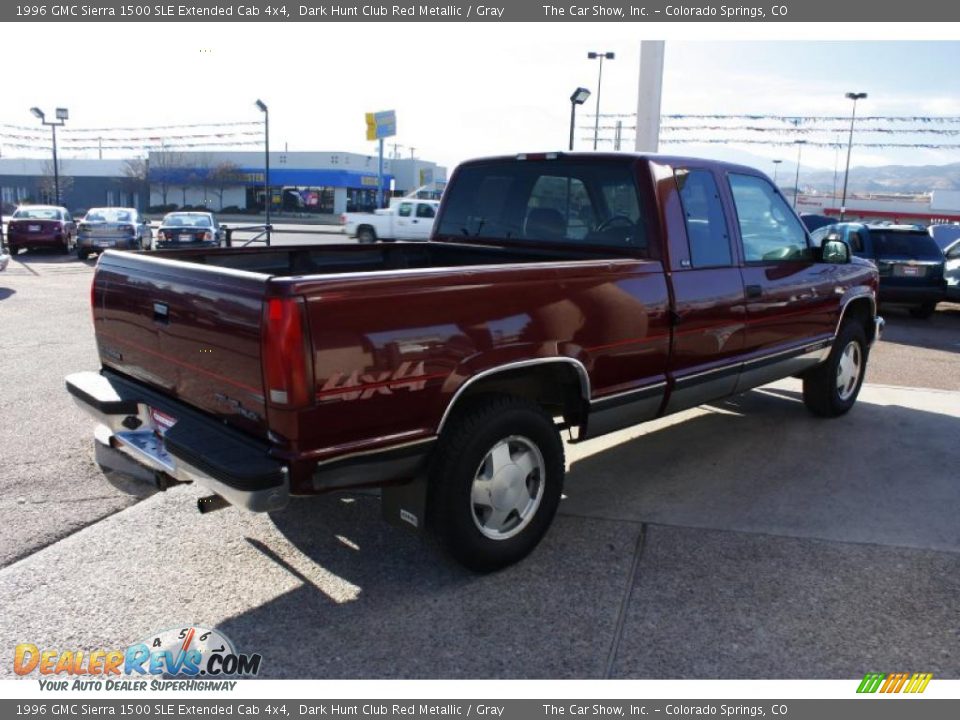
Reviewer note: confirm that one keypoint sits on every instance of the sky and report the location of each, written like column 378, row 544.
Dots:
column 466, row 90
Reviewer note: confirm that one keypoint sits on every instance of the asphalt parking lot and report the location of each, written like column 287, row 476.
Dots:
column 745, row 539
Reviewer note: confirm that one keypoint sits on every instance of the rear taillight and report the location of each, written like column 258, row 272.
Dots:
column 161, row 235
column 343, row 219
column 285, row 354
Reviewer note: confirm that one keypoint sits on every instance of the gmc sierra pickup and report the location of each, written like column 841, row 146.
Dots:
column 559, row 292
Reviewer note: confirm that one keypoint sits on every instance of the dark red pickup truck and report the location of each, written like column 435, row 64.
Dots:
column 559, row 292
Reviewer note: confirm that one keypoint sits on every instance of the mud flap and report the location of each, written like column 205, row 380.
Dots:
column 405, row 505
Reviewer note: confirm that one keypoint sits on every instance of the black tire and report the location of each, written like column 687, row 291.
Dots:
column 366, row 235
column 466, row 451
column 822, row 391
column 65, row 248
column 82, row 253
column 924, row 311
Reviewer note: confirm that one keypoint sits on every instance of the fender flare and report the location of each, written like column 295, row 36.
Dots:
column 578, row 366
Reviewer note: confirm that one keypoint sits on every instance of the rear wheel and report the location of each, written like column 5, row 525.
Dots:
column 923, row 311
column 83, row 253
column 495, row 481
column 831, row 388
column 366, row 235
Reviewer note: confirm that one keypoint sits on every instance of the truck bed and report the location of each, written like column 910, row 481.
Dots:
column 335, row 259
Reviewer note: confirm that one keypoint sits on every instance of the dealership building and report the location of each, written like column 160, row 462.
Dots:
column 301, row 183
column 84, row 183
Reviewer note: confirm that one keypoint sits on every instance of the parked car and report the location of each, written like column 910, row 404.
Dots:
column 41, row 227
column 815, row 222
column 112, row 227
column 406, row 219
column 951, row 270
column 945, row 235
column 4, row 259
column 190, row 229
column 910, row 263
column 579, row 293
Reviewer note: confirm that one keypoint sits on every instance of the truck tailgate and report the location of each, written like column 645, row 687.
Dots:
column 190, row 331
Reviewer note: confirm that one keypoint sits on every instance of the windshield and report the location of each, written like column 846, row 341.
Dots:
column 109, row 215
column 573, row 202
column 37, row 214
column 187, row 220
column 910, row 244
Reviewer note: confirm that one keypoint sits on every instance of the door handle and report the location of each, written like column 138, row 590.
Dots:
column 161, row 313
column 754, row 291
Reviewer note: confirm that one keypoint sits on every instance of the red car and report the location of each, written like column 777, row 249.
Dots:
column 36, row 227
column 575, row 294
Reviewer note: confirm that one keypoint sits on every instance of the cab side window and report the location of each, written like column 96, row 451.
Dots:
column 405, row 209
column 425, row 211
column 703, row 215
column 768, row 228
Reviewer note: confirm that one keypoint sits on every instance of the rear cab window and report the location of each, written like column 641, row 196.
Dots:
column 579, row 203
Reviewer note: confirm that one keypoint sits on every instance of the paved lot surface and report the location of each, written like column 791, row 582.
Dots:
column 744, row 539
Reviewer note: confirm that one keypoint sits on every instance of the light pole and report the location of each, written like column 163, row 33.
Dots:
column 600, row 56
column 853, row 116
column 579, row 97
column 62, row 116
column 796, row 182
column 776, row 165
column 267, row 198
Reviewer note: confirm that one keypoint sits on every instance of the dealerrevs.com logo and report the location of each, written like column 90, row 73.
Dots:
column 189, row 658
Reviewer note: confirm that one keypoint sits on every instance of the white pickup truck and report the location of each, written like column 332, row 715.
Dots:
column 405, row 219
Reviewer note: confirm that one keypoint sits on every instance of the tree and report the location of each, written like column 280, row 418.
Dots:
column 47, row 185
column 222, row 176
column 135, row 179
column 164, row 168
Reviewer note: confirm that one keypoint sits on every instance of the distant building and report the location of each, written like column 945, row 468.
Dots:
column 84, row 183
column 300, row 182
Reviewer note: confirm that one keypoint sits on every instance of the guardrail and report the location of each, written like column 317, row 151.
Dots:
column 263, row 234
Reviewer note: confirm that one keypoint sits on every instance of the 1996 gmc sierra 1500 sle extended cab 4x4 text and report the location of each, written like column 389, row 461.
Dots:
column 579, row 292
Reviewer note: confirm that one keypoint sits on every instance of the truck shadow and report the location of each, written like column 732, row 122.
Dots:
column 939, row 332
column 377, row 602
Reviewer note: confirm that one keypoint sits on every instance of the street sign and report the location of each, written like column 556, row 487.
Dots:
column 381, row 125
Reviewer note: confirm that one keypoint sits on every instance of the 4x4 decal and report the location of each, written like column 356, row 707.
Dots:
column 360, row 385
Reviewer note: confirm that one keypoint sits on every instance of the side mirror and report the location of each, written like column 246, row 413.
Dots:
column 834, row 250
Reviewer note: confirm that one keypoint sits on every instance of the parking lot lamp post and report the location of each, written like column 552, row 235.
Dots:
column 853, row 116
column 579, row 97
column 62, row 115
column 267, row 198
column 796, row 182
column 600, row 56
column 776, row 165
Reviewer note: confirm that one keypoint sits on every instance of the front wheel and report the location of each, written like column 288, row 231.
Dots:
column 923, row 311
column 495, row 482
column 831, row 388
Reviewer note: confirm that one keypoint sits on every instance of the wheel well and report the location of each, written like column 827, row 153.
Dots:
column 557, row 387
column 861, row 310
column 366, row 227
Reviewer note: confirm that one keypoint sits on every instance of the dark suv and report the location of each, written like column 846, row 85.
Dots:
column 909, row 261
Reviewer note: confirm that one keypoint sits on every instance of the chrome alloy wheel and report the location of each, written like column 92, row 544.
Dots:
column 849, row 369
column 508, row 487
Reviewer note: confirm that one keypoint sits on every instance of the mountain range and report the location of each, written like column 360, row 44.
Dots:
column 881, row 179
